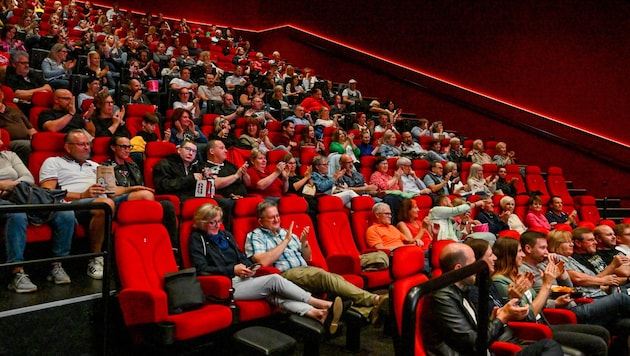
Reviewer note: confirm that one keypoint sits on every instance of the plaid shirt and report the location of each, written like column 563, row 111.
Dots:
column 262, row 240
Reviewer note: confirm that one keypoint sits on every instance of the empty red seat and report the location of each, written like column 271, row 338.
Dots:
column 514, row 171
column 361, row 218
column 534, row 181
column 588, row 210
column 558, row 186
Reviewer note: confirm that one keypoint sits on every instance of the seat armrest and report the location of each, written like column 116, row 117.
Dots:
column 141, row 306
column 530, row 331
column 344, row 264
column 216, row 286
column 557, row 316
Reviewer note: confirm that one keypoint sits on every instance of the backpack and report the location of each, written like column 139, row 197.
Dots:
column 27, row 193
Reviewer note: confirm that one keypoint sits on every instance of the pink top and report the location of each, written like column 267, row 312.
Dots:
column 381, row 180
column 537, row 219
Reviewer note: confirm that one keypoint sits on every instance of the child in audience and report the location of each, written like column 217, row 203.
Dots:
column 144, row 136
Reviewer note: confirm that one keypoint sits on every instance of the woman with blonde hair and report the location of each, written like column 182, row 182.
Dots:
column 477, row 183
column 213, row 251
column 57, row 68
column 507, row 203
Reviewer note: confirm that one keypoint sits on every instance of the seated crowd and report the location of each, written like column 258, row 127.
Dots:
column 288, row 134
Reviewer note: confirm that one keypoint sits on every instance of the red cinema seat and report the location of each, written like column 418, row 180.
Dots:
column 361, row 218
column 558, row 186
column 155, row 152
column 490, row 169
column 293, row 209
column 143, row 255
column 336, row 239
column 245, row 219
column 100, row 149
column 520, row 206
column 133, row 118
column 436, row 249
column 44, row 145
column 535, row 181
column 514, row 171
column 588, row 210
column 248, row 309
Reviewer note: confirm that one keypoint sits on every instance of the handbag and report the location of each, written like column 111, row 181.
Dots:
column 27, row 193
column 183, row 291
column 309, row 190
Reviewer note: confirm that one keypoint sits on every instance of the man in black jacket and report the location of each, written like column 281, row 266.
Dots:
column 177, row 174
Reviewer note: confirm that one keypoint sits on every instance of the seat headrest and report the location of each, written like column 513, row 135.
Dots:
column 48, row 141
column 532, row 170
column 563, row 227
column 329, row 203
column 190, row 206
column 406, row 261
column 556, row 171
column 362, row 203
column 160, row 149
column 139, row 109
column 139, row 212
column 246, row 207
column 292, row 205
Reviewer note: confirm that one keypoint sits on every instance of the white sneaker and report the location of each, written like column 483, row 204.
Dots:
column 58, row 275
column 95, row 268
column 22, row 284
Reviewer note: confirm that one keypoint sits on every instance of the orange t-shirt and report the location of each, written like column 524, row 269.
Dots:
column 388, row 235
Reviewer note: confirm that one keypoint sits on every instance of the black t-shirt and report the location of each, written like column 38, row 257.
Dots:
column 593, row 262
column 17, row 82
column 52, row 114
column 609, row 255
column 227, row 169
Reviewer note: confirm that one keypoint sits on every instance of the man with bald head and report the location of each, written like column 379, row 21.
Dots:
column 135, row 94
column 606, row 243
column 63, row 117
column 453, row 317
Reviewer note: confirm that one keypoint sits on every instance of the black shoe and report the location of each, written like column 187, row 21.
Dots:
column 334, row 314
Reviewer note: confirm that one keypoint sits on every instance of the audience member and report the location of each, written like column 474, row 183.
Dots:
column 327, row 184
column 413, row 228
column 381, row 178
column 134, row 94
column 388, row 148
column 107, row 120
column 435, row 180
column 535, row 217
column 505, row 186
column 309, row 140
column 259, row 111
column 286, row 140
column 477, row 155
column 351, row 96
column 183, row 95
column 409, row 181
column 455, row 153
column 178, row 173
column 228, row 110
column 589, row 339
column 507, row 204
column 503, row 157
column 13, row 172
column 453, row 318
column 315, row 101
column 443, row 214
column 454, row 185
column 76, row 174
column 365, row 147
column 384, row 124
column 622, row 233
column 435, row 154
column 235, row 79
column 354, row 180
column 556, row 215
column 615, row 274
column 496, row 223
column 23, row 81
column 19, row 128
column 57, row 68
column 183, row 81
column 606, row 243
column 300, row 117
column 255, row 137
column 184, row 128
column 210, row 91
column 214, row 252
column 63, row 116
column 362, row 125
column 478, row 184
column 271, row 245
column 344, row 144
column 270, row 184
column 382, row 234
column 421, row 129
column 409, row 148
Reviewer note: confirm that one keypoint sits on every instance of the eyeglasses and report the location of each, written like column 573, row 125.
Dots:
column 214, row 222
column 80, row 144
column 323, row 164
column 189, row 149
column 64, row 98
column 273, row 217
column 386, row 214
column 109, row 102
column 24, row 63
column 125, row 147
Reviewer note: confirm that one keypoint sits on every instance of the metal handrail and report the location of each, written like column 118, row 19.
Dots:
column 108, row 243
column 409, row 332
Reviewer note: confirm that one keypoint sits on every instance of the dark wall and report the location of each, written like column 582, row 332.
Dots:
column 564, row 59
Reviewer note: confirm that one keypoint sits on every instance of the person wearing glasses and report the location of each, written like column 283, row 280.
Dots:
column 75, row 173
column 330, row 184
column 64, row 117
column 622, row 233
column 107, row 119
column 382, row 234
column 178, row 173
column 271, row 245
column 57, row 68
column 213, row 251
column 23, row 82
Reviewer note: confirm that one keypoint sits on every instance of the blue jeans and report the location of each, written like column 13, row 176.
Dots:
column 62, row 225
column 611, row 312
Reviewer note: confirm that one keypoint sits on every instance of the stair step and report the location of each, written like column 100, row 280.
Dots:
column 616, row 212
column 574, row 192
column 610, row 203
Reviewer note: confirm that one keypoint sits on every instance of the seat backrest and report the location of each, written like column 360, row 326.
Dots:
column 155, row 152
column 245, row 219
column 398, row 292
column 361, row 218
column 490, row 169
column 425, row 203
column 514, row 171
column 293, row 209
column 100, row 149
column 588, row 211
column 534, row 180
column 464, row 171
column 557, row 185
column 521, row 206
column 189, row 208
column 436, row 249
column 143, row 248
column 335, row 234
column 44, row 145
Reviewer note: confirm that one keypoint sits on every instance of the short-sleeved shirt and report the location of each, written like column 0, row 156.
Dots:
column 589, row 291
column 224, row 170
column 354, row 181
column 49, row 115
column 215, row 93
column 592, row 261
column 609, row 255
column 70, row 174
column 262, row 240
column 388, row 235
column 18, row 82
